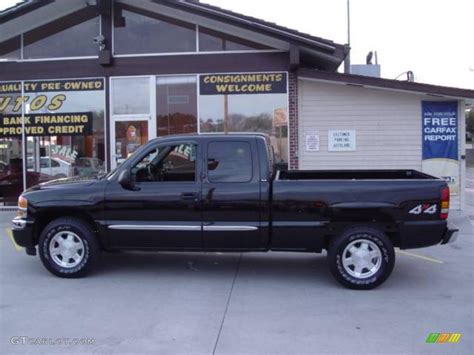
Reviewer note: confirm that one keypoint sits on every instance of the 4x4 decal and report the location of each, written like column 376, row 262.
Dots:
column 424, row 208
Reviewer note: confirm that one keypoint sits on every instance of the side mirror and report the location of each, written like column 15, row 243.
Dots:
column 212, row 164
column 126, row 180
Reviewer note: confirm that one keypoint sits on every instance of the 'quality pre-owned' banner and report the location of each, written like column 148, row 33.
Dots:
column 440, row 141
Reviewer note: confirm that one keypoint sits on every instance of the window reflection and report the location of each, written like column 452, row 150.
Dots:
column 75, row 41
column 176, row 105
column 10, row 49
column 264, row 113
column 229, row 162
column 136, row 33
column 49, row 155
column 210, row 40
column 131, row 96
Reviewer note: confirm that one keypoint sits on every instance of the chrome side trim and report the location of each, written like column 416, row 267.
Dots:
column 168, row 227
column 155, row 227
column 300, row 224
column 229, row 228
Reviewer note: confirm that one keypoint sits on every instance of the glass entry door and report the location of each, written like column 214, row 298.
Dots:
column 129, row 135
column 133, row 110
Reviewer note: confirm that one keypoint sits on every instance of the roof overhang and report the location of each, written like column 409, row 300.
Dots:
column 32, row 14
column 315, row 51
column 387, row 84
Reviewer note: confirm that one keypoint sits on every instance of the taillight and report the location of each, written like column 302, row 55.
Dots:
column 444, row 203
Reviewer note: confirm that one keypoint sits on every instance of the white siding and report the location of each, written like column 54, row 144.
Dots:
column 387, row 124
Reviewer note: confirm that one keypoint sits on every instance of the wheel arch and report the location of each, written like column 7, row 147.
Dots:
column 345, row 218
column 47, row 215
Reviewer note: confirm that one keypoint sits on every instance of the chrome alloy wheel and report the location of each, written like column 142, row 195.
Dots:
column 362, row 258
column 66, row 249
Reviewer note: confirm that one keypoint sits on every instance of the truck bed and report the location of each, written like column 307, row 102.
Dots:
column 353, row 175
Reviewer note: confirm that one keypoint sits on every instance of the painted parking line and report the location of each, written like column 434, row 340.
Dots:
column 426, row 258
column 10, row 235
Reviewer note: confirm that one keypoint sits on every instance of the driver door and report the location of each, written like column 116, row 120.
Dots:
column 164, row 208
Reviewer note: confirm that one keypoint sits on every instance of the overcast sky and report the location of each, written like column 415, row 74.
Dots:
column 432, row 38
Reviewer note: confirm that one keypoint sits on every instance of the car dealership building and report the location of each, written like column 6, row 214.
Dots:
column 94, row 80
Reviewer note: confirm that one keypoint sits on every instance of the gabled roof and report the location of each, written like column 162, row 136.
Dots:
column 389, row 84
column 311, row 50
column 325, row 51
column 271, row 27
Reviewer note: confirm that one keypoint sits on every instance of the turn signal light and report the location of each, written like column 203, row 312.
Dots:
column 22, row 203
column 444, row 211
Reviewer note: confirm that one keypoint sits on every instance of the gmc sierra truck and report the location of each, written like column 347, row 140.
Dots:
column 221, row 192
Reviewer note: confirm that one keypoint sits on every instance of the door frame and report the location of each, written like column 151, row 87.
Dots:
column 150, row 117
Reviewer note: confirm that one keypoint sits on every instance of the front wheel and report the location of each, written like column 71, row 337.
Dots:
column 68, row 247
column 361, row 258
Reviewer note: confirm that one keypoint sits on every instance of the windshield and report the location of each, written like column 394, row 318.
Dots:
column 113, row 171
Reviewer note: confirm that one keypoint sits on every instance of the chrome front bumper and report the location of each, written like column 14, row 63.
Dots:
column 18, row 223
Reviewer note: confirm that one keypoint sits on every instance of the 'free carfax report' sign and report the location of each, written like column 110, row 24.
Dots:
column 440, row 141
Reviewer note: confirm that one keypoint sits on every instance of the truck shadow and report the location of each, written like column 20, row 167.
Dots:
column 294, row 267
column 285, row 268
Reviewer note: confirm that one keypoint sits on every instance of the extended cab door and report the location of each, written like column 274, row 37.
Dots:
column 162, row 208
column 231, row 199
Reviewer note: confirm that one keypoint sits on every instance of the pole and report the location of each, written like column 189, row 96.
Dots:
column 347, row 61
column 348, row 22
column 23, row 137
column 226, row 114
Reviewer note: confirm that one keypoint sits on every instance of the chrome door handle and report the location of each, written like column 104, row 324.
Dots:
column 189, row 196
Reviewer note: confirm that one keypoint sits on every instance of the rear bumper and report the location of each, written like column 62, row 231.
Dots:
column 450, row 235
column 421, row 234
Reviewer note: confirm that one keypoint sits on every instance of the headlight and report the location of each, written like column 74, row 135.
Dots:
column 22, row 207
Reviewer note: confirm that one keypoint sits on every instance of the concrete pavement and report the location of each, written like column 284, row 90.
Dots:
column 276, row 303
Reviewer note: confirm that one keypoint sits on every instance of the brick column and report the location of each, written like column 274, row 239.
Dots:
column 293, row 120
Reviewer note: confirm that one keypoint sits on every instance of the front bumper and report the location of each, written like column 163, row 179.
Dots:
column 23, row 234
column 419, row 234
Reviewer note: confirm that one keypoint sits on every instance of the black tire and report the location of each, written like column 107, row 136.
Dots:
column 79, row 232
column 372, row 239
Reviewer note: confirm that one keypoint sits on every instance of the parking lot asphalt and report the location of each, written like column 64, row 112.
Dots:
column 252, row 303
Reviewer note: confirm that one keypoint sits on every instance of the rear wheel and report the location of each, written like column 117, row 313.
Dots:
column 68, row 247
column 361, row 258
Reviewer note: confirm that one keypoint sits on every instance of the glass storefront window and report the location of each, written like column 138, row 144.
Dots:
column 176, row 105
column 136, row 33
column 74, row 41
column 10, row 49
column 213, row 41
column 64, row 131
column 246, row 103
column 130, row 96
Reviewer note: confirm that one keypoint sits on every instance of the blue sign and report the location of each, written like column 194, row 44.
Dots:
column 440, row 129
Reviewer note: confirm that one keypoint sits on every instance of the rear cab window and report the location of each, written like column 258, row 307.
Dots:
column 229, row 162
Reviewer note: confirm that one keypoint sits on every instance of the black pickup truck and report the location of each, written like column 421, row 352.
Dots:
column 223, row 193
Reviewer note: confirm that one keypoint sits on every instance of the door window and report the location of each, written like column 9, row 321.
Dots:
column 229, row 162
column 168, row 163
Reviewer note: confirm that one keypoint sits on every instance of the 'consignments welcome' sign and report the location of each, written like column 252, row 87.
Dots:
column 243, row 83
